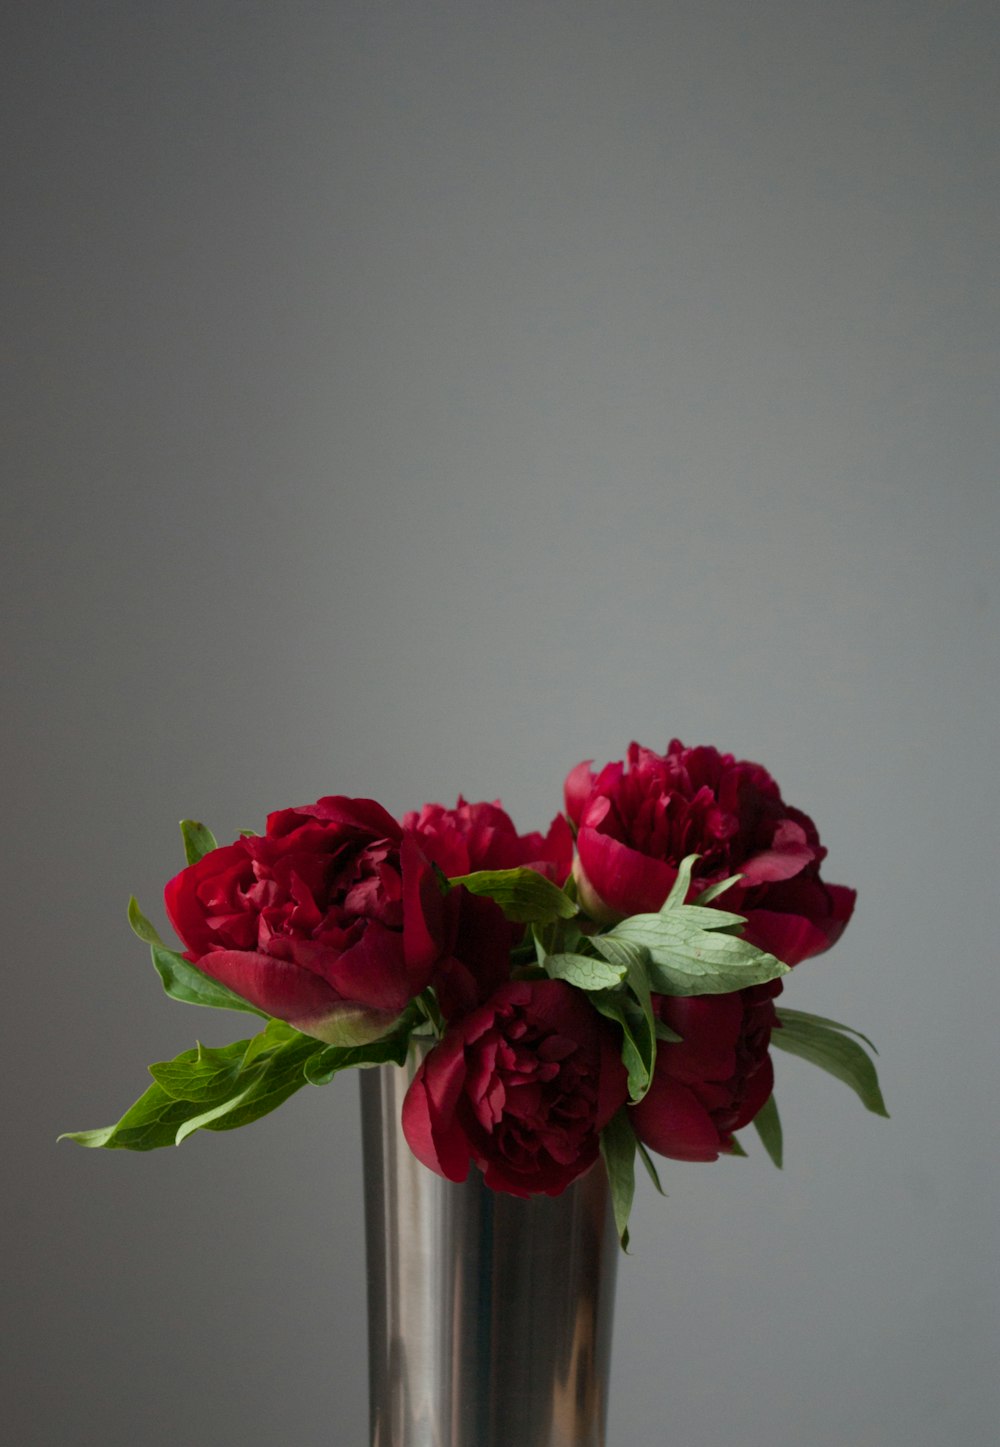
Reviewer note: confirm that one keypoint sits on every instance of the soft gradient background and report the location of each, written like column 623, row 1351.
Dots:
column 407, row 398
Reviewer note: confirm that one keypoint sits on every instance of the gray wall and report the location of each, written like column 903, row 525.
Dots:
column 403, row 399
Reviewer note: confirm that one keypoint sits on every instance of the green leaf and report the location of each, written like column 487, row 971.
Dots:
column 198, row 840
column 618, row 1144
column 832, row 1051
column 140, row 924
column 803, row 1016
column 524, row 895
column 202, row 1075
column 768, row 1126
column 735, row 1149
column 636, row 961
column 152, row 1122
column 215, row 1097
column 638, row 1049
column 391, row 1049
column 688, row 916
column 664, row 1032
column 679, row 889
column 584, row 971
column 184, row 981
column 712, row 891
column 275, row 1033
column 280, row 1075
column 647, row 1161
column 688, row 959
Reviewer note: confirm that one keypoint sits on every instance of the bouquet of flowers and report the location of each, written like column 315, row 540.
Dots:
column 605, row 988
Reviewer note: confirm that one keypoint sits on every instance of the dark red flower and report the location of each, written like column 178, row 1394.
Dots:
column 332, row 920
column 636, row 822
column 472, row 837
column 716, row 1080
column 521, row 1087
column 482, row 836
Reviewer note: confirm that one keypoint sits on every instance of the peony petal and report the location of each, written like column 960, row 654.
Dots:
column 709, row 1026
column 428, row 917
column 372, row 972
column 671, row 1120
column 759, row 1088
column 429, row 1111
column 817, row 916
column 624, row 881
column 185, row 909
column 789, row 854
column 291, row 993
column 579, row 782
column 363, row 816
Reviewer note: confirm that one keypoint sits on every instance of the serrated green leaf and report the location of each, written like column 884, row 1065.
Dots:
column 679, row 889
column 524, row 895
column 274, row 1034
column 150, row 1123
column 198, row 840
column 280, row 1075
column 184, row 981
column 140, row 924
column 203, row 1075
column 618, row 1144
column 583, row 971
column 712, row 891
column 767, row 1123
column 802, row 1015
column 161, row 1119
column 212, row 1118
column 834, row 1052
column 689, row 960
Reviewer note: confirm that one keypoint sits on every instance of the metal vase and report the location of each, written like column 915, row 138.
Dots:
column 489, row 1317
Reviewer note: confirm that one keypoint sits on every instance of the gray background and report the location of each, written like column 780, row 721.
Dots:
column 407, row 398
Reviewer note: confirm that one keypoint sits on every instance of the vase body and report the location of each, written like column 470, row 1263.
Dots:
column 489, row 1317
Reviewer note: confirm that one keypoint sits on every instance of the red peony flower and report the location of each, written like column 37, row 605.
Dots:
column 636, row 822
column 461, row 841
column 332, row 920
column 521, row 1087
column 482, row 836
column 716, row 1080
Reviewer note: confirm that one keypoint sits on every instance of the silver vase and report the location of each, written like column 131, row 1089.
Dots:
column 489, row 1317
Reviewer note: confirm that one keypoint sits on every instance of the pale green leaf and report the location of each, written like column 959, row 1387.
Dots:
column 712, row 891
column 198, row 840
column 768, row 1126
column 647, row 1161
column 618, row 1145
column 583, row 971
column 689, row 960
column 638, row 1046
column 802, row 1015
column 524, row 895
column 679, row 889
column 834, row 1052
column 140, row 924
column 184, row 981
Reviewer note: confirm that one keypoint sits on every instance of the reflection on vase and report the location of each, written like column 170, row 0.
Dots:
column 489, row 1317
